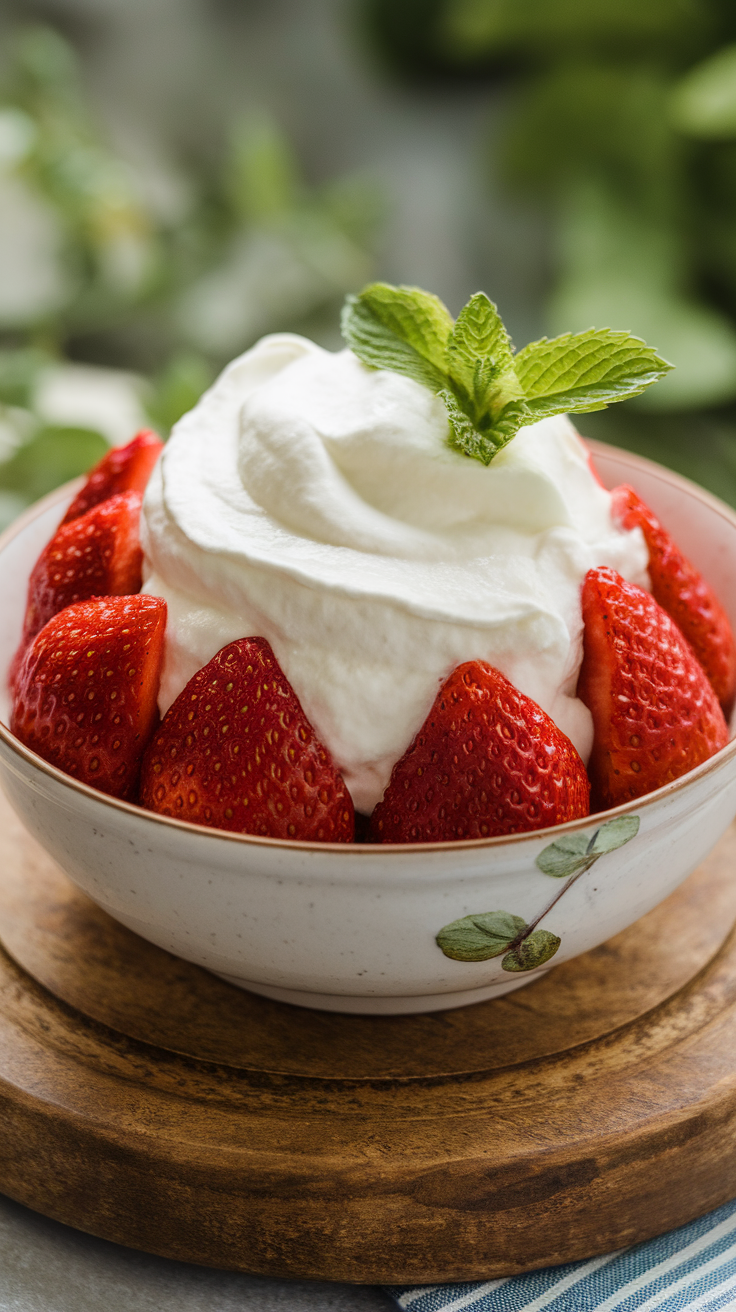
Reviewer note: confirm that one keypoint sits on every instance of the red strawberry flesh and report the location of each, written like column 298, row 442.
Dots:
column 235, row 751
column 655, row 714
column 96, row 555
column 124, row 469
column 683, row 592
column 86, row 691
column 486, row 762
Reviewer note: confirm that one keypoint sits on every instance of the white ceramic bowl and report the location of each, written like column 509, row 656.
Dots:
column 353, row 928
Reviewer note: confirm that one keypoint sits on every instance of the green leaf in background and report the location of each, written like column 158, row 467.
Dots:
column 46, row 71
column 19, row 371
column 703, row 103
column 586, row 371
column 594, row 112
column 585, row 123
column 263, row 174
column 542, row 27
column 478, row 938
column 618, row 265
column 533, row 951
column 403, row 329
column 356, row 206
column 598, row 140
column 177, row 390
column 52, row 457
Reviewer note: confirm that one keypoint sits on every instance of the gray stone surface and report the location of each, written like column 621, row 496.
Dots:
column 47, row 1267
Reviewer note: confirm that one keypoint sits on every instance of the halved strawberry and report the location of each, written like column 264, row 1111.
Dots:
column 124, row 469
column 487, row 761
column 85, row 696
column 655, row 715
column 97, row 555
column 683, row 592
column 236, row 751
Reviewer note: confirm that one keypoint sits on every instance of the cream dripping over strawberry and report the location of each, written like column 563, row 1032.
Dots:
column 312, row 501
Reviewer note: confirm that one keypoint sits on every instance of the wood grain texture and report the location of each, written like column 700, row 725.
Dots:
column 150, row 1103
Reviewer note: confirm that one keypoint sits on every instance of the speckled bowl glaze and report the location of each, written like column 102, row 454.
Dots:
column 355, row 928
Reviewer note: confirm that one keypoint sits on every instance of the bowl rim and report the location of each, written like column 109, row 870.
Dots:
column 394, row 850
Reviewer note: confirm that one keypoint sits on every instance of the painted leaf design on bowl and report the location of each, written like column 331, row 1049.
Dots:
column 478, row 938
column 487, row 934
column 532, row 951
column 576, row 853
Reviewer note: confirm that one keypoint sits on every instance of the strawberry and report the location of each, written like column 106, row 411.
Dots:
column 684, row 594
column 236, row 751
column 655, row 715
column 487, row 761
column 85, row 696
column 124, row 469
column 96, row 555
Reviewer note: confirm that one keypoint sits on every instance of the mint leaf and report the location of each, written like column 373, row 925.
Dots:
column 532, row 951
column 480, row 357
column 480, row 937
column 400, row 328
column 580, row 372
column 482, row 445
column 513, row 417
column 489, row 393
column 464, row 436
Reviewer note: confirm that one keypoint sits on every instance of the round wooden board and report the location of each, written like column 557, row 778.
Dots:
column 150, row 1103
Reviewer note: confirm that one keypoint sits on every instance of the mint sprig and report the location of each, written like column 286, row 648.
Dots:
column 489, row 392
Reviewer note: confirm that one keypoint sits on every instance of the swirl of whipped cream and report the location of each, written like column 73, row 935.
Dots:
column 315, row 502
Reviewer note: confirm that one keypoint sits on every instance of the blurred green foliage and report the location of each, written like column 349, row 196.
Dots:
column 554, row 29
column 93, row 269
column 176, row 389
column 19, row 369
column 621, row 123
column 53, row 455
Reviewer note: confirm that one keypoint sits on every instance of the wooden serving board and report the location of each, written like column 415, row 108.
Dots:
column 146, row 1101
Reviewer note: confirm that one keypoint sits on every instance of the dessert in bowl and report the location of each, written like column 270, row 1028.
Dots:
column 377, row 927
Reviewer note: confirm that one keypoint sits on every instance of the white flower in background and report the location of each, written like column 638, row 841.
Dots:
column 109, row 401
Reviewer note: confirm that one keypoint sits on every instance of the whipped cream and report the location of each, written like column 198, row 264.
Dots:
column 315, row 502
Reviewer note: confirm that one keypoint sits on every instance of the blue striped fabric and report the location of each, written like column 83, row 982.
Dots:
column 692, row 1268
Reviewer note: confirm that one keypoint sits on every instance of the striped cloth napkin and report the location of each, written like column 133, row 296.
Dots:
column 693, row 1269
